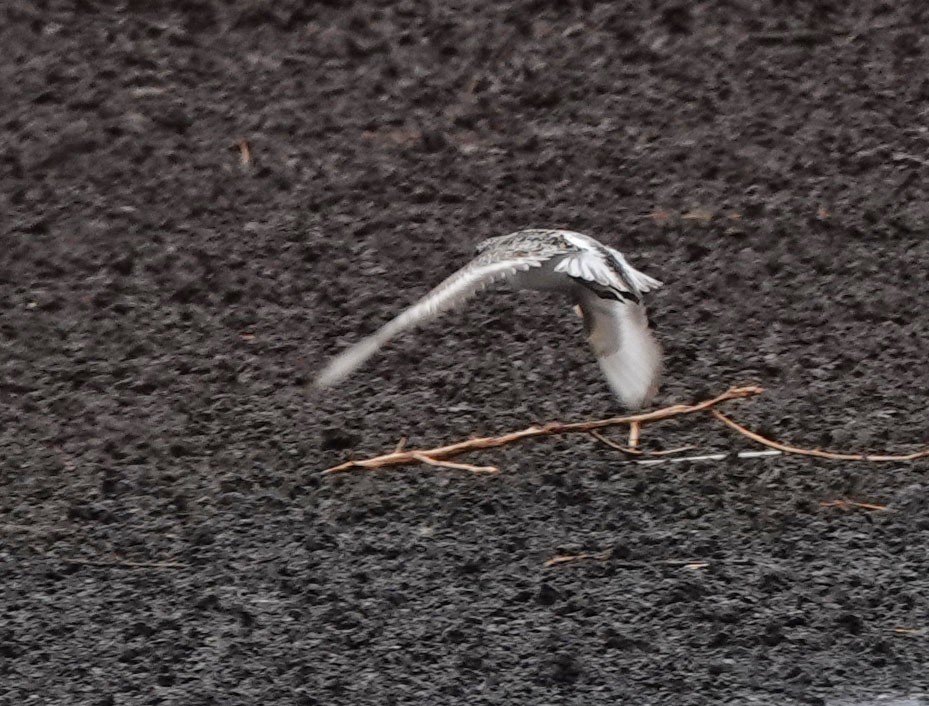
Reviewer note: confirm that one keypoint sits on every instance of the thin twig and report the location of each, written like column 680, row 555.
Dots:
column 907, row 631
column 564, row 559
column 637, row 452
column 613, row 445
column 245, row 152
column 709, row 457
column 429, row 460
column 444, row 452
column 818, row 453
column 635, row 429
column 854, row 503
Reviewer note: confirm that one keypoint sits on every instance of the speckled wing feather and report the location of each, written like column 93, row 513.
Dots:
column 526, row 243
column 496, row 261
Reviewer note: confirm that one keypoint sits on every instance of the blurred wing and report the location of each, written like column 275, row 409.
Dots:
column 455, row 290
column 625, row 347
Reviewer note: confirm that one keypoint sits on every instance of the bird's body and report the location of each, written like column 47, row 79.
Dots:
column 597, row 278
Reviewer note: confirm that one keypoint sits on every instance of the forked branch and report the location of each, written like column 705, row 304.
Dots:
column 438, row 456
column 817, row 453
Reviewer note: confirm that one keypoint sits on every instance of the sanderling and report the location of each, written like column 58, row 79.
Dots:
column 604, row 287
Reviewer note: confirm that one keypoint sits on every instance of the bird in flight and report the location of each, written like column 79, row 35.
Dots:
column 599, row 281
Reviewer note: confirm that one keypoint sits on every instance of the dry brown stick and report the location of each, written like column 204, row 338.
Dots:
column 635, row 429
column 844, row 504
column 637, row 452
column 613, row 445
column 440, row 453
column 907, row 631
column 608, row 553
column 424, row 458
column 565, row 558
column 818, row 453
column 245, row 152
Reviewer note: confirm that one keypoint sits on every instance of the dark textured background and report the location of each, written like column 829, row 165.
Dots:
column 162, row 308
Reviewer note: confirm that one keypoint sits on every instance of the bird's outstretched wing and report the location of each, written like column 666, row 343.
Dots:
column 626, row 350
column 488, row 267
